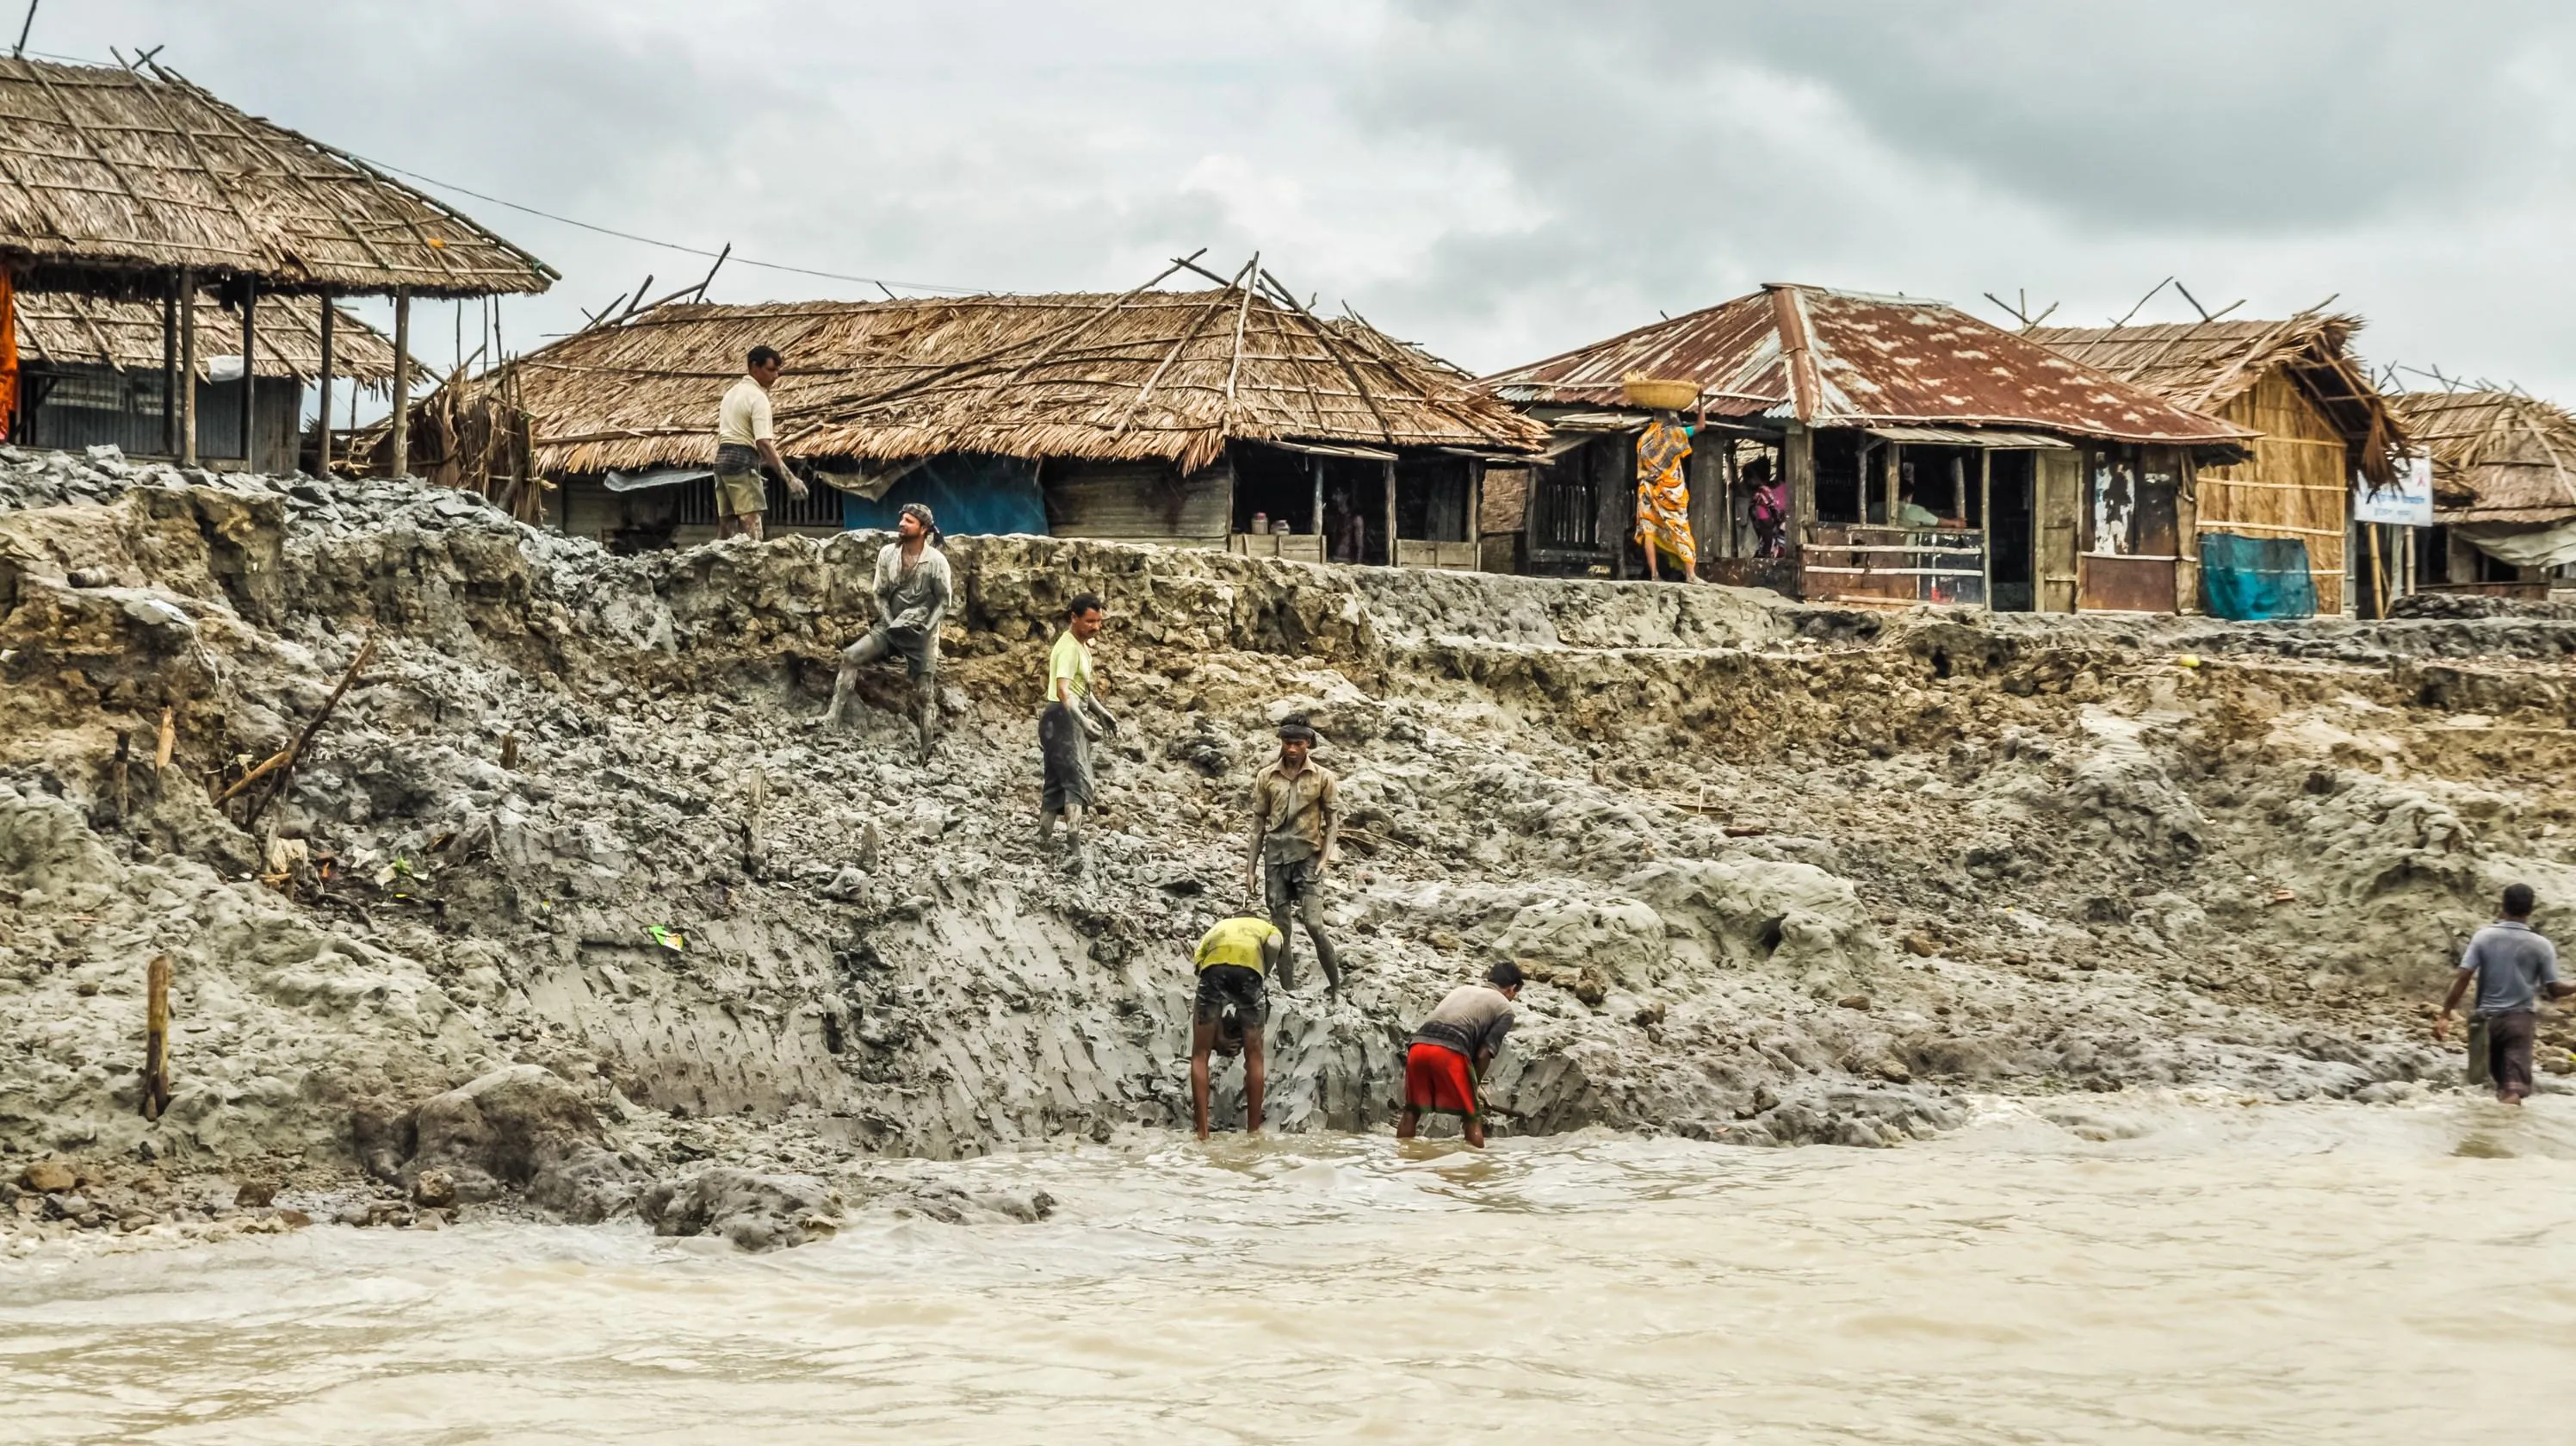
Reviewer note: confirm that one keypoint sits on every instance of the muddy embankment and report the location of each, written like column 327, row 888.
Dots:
column 574, row 843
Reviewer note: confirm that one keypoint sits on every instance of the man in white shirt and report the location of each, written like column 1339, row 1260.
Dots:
column 746, row 442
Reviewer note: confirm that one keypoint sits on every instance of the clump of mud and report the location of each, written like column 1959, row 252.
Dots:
column 1780, row 874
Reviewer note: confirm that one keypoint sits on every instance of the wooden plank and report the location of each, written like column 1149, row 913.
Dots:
column 156, row 1037
column 2057, row 477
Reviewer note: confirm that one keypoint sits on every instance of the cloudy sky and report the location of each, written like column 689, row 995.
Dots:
column 1499, row 180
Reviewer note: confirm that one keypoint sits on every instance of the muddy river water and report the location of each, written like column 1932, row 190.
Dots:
column 2123, row 1272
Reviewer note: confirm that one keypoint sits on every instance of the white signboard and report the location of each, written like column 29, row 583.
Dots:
column 2408, row 504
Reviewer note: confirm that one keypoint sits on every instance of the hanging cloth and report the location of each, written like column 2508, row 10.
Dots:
column 1663, row 501
column 8, row 352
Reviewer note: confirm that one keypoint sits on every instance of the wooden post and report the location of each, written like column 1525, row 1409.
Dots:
column 1986, row 520
column 1798, row 479
column 156, row 1037
column 1476, row 511
column 401, row 458
column 170, row 367
column 169, row 737
column 250, row 374
column 187, row 368
column 1390, row 512
column 1894, row 466
column 322, row 413
column 1315, row 466
column 2378, row 578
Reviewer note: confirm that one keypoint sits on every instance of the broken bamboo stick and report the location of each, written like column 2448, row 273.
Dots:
column 156, row 1037
column 283, row 761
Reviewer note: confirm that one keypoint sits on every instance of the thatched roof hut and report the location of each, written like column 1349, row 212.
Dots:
column 2297, row 384
column 1214, row 416
column 1146, row 375
column 112, row 171
column 2499, row 457
column 59, row 330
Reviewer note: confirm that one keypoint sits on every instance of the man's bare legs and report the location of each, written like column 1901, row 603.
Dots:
column 746, row 523
column 845, row 686
column 1405, row 1121
column 1202, row 1040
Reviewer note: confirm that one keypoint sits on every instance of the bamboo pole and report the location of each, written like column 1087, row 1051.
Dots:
column 250, row 374
column 170, row 366
column 322, row 413
column 1986, row 519
column 187, row 368
column 401, row 458
column 169, row 738
column 156, row 1037
column 2378, row 575
column 1389, row 465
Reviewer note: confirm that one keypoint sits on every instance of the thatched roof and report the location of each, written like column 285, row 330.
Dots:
column 1142, row 375
column 2204, row 365
column 105, row 170
column 63, row 328
column 1849, row 359
column 2497, row 456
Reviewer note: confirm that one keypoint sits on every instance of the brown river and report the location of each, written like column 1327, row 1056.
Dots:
column 2115, row 1270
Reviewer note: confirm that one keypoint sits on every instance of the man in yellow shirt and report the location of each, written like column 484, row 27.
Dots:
column 1073, row 718
column 1232, row 958
column 746, row 443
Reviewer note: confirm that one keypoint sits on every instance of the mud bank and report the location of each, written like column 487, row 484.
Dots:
column 1782, row 874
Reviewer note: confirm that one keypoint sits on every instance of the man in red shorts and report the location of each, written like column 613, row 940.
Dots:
column 1452, row 1050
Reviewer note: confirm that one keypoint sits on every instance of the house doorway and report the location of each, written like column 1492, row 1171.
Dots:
column 2009, row 537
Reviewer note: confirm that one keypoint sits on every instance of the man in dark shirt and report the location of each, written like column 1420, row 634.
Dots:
column 2512, row 966
column 1446, row 1064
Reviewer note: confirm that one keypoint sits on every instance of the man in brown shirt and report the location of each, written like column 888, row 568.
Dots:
column 1296, row 835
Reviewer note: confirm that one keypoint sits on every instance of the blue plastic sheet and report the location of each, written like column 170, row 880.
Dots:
column 968, row 494
column 2255, row 579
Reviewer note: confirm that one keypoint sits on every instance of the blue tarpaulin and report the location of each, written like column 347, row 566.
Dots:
column 968, row 494
column 2255, row 579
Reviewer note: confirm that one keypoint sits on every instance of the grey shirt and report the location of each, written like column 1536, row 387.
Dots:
column 2511, row 962
column 915, row 596
column 1472, row 1020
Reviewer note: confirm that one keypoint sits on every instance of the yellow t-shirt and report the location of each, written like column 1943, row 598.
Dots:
column 743, row 418
column 1238, row 941
column 1070, row 661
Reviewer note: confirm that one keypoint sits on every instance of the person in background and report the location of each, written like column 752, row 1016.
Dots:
column 1910, row 513
column 1663, row 498
column 1445, row 1066
column 2513, row 966
column 1071, row 721
column 746, row 443
column 1296, row 835
column 1346, row 534
column 1768, row 510
column 912, row 591
column 1232, row 1004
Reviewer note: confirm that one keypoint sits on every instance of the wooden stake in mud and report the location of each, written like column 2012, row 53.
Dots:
column 169, row 738
column 156, row 1038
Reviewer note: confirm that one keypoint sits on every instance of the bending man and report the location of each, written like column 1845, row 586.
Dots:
column 1232, row 958
column 1452, row 1050
column 1296, row 835
column 912, row 600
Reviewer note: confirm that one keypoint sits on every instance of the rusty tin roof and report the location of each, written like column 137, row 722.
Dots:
column 1851, row 359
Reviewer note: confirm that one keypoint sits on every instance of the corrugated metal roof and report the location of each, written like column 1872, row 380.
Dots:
column 1845, row 359
column 1966, row 437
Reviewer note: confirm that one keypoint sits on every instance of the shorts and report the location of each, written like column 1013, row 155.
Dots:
column 1224, row 984
column 741, row 494
column 1288, row 886
column 1438, row 1080
column 2509, row 1039
column 1067, row 751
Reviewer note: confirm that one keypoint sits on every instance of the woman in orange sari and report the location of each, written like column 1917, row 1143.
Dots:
column 1663, row 500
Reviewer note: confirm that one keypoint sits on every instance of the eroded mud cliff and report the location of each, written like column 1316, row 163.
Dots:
column 1783, row 874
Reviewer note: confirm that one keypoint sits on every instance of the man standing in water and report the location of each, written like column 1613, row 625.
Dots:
column 1232, row 959
column 1067, row 728
column 2512, row 966
column 1453, row 1048
column 912, row 600
column 1296, row 835
column 747, row 442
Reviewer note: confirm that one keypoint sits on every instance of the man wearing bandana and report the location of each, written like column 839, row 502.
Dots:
column 1296, row 835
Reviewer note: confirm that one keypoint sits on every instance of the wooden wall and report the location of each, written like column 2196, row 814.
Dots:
column 2298, row 483
column 1138, row 502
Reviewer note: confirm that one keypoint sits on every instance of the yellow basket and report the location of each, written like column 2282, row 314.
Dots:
column 1658, row 395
